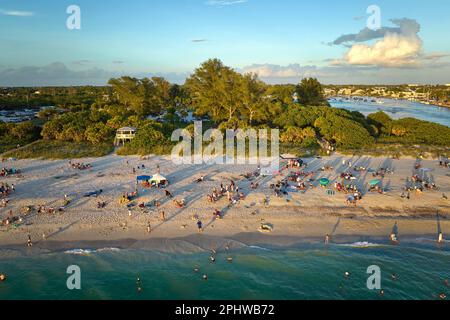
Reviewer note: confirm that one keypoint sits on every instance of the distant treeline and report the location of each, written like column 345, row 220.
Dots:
column 14, row 98
column 440, row 93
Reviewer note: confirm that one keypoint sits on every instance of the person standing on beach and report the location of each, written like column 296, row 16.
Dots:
column 327, row 239
column 440, row 238
column 29, row 242
column 200, row 226
column 162, row 216
column 149, row 228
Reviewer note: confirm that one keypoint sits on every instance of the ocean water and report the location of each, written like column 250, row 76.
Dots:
column 307, row 271
column 397, row 109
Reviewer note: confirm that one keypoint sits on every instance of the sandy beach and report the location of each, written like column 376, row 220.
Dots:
column 309, row 214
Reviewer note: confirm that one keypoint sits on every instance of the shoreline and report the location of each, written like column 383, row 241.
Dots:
column 370, row 232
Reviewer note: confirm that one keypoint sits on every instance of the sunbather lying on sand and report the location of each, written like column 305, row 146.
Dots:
column 180, row 204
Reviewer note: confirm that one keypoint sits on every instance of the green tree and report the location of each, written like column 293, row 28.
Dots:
column 310, row 93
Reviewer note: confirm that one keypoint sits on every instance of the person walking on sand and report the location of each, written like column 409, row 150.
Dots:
column 162, row 216
column 200, row 226
column 168, row 194
column 149, row 228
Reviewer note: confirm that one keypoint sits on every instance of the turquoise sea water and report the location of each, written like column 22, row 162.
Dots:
column 397, row 109
column 307, row 271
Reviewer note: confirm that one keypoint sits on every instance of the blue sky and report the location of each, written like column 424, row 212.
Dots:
column 281, row 40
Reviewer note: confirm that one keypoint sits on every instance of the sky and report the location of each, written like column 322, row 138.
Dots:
column 282, row 41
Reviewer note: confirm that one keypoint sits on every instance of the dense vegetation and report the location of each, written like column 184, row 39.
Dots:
column 11, row 98
column 85, row 124
column 15, row 135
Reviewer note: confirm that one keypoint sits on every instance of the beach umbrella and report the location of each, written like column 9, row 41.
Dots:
column 375, row 182
column 143, row 178
column 324, row 182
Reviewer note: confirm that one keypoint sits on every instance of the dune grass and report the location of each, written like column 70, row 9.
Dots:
column 53, row 149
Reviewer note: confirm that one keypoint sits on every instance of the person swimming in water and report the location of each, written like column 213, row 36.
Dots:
column 393, row 238
column 2, row 277
column 138, row 285
column 29, row 242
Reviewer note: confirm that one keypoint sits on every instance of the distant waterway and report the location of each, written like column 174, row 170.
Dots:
column 396, row 109
column 19, row 115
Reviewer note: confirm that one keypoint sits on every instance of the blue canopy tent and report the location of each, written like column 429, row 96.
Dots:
column 143, row 178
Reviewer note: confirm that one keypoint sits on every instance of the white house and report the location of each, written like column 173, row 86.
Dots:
column 124, row 135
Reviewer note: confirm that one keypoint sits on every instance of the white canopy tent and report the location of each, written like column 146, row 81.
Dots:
column 157, row 178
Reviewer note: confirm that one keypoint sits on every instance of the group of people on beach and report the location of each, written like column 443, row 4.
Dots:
column 444, row 163
column 419, row 182
column 6, row 189
column 6, row 172
column 128, row 197
column 231, row 191
column 79, row 166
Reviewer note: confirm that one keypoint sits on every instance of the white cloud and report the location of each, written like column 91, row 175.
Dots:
column 398, row 47
column 394, row 50
column 277, row 71
column 16, row 13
